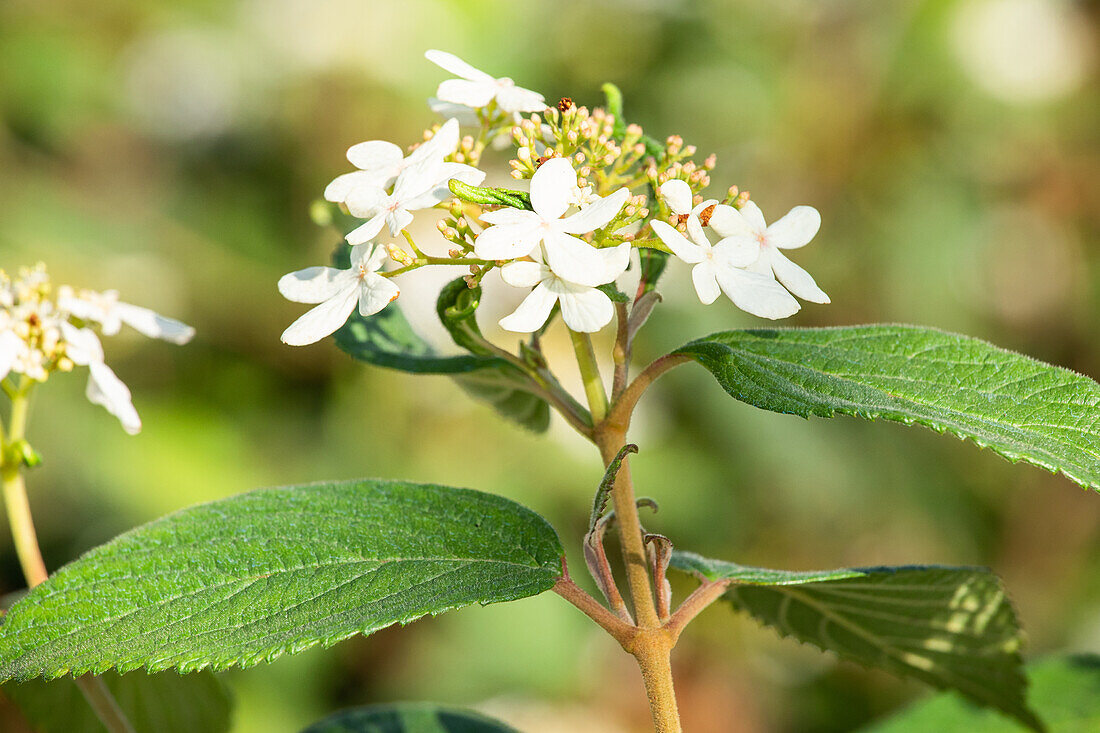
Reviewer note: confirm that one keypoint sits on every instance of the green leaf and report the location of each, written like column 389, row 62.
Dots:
column 612, row 291
column 386, row 339
column 652, row 265
column 247, row 579
column 408, row 718
column 1065, row 693
column 615, row 108
column 490, row 196
column 953, row 628
column 1021, row 408
column 158, row 703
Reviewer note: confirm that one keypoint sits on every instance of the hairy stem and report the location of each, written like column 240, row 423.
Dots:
column 653, row 652
column 30, row 555
column 623, row 409
column 702, row 597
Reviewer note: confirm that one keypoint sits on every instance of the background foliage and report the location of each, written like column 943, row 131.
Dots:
column 952, row 146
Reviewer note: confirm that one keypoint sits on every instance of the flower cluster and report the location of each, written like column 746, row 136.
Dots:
column 598, row 189
column 44, row 329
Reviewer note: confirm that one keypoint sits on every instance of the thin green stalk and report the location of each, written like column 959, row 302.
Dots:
column 30, row 554
column 590, row 375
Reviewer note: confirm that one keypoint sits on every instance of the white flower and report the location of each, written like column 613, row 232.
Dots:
column 337, row 291
column 517, row 232
column 477, row 89
column 794, row 230
column 421, row 185
column 110, row 313
column 12, row 348
column 720, row 268
column 104, row 386
column 677, row 194
column 381, row 162
column 584, row 308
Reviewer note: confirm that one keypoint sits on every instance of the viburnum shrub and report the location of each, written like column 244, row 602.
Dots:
column 606, row 208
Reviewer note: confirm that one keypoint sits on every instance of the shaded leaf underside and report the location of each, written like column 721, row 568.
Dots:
column 950, row 627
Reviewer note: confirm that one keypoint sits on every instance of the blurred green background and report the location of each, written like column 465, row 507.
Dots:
column 171, row 151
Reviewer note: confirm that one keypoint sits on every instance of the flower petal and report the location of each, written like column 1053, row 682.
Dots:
column 574, row 260
column 796, row 229
column 596, row 215
column 532, row 312
column 105, row 388
column 705, row 282
column 365, row 200
column 508, row 215
column 398, row 220
column 341, row 187
column 677, row 194
column 469, row 93
column 314, row 284
column 507, row 241
column 154, row 325
column 681, row 246
column 369, row 256
column 754, row 217
column 375, row 293
column 757, row 294
column 524, row 274
column 368, row 231
column 797, row 280
column 739, row 251
column 552, row 188
column 455, row 65
column 583, row 309
column 10, row 348
column 441, row 144
column 460, row 112
column 323, row 320
column 514, row 99
column 614, row 261
column 728, row 222
column 375, row 154
column 81, row 344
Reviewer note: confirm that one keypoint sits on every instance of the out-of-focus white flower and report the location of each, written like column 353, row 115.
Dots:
column 792, row 231
column 381, row 162
column 11, row 347
column 584, row 307
column 104, row 386
column 110, row 313
column 477, row 89
column 720, row 268
column 337, row 291
column 517, row 232
column 38, row 338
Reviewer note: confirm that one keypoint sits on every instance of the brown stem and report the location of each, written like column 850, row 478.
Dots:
column 702, row 597
column 653, row 652
column 620, row 353
column 621, row 631
column 621, row 412
column 630, row 529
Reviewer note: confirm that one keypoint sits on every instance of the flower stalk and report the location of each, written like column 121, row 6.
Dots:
column 27, row 548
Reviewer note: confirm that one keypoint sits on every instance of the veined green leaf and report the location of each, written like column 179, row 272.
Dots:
column 1064, row 691
column 408, row 718
column 950, row 627
column 1020, row 408
column 247, row 579
column 153, row 703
